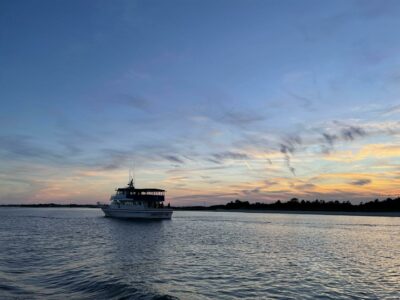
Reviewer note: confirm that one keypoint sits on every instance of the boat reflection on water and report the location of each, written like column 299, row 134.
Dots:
column 133, row 203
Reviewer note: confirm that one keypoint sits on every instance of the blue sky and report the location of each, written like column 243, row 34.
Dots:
column 211, row 100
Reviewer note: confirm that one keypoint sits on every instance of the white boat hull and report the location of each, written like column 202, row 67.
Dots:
column 161, row 213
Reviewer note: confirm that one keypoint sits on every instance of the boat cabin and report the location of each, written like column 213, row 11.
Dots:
column 149, row 198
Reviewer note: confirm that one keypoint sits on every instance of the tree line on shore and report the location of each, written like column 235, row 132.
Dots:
column 294, row 204
column 51, row 205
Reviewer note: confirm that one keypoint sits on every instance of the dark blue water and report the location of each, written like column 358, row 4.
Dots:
column 78, row 254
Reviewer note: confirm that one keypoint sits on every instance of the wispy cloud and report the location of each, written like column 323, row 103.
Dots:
column 392, row 110
column 352, row 132
column 173, row 158
column 288, row 148
column 26, row 148
column 113, row 159
column 222, row 156
column 361, row 182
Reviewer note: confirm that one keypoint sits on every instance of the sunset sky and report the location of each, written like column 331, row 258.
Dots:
column 211, row 100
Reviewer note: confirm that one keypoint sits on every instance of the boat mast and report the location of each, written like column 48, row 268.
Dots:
column 133, row 175
column 131, row 181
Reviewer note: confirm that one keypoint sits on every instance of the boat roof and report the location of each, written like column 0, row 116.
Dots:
column 131, row 187
column 140, row 190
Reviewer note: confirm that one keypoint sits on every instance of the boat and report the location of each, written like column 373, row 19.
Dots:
column 133, row 203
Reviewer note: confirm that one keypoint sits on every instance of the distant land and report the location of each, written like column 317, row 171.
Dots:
column 50, row 205
column 294, row 205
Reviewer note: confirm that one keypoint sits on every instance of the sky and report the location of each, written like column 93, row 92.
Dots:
column 211, row 100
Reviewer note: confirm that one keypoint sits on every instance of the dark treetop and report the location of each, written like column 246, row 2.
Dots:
column 388, row 205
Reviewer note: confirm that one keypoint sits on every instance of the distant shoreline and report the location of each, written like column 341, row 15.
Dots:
column 260, row 211
column 300, row 212
column 305, row 212
column 387, row 207
column 51, row 205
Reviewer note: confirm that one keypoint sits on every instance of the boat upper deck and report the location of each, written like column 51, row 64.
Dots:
column 141, row 191
column 149, row 194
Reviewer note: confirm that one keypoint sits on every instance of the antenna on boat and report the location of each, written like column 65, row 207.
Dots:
column 131, row 181
column 133, row 173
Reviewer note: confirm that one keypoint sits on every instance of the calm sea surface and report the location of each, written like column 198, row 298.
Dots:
column 78, row 254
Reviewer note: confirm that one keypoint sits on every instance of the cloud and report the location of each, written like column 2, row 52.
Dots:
column 114, row 159
column 344, row 133
column 351, row 132
column 338, row 131
column 231, row 155
column 392, row 110
column 330, row 138
column 361, row 182
column 252, row 191
column 305, row 186
column 269, row 183
column 288, row 148
column 329, row 141
column 284, row 150
column 220, row 157
column 240, row 118
column 375, row 151
column 215, row 109
column 24, row 147
column 173, row 158
column 305, row 102
column 201, row 199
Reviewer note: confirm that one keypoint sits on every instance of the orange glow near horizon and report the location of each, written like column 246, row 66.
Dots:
column 352, row 171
